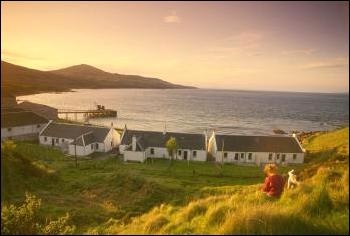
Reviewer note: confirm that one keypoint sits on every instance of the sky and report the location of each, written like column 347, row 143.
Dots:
column 271, row 46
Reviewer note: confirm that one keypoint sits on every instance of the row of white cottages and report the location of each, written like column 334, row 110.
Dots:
column 140, row 145
column 81, row 140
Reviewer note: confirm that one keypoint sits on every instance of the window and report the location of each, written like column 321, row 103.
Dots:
column 242, row 155
column 236, row 156
column 92, row 146
column 294, row 156
column 38, row 126
column 194, row 153
column 152, row 151
column 270, row 156
column 9, row 129
column 283, row 157
column 96, row 146
column 179, row 152
column 57, row 140
column 62, row 140
column 250, row 155
column 278, row 156
column 45, row 139
column 225, row 154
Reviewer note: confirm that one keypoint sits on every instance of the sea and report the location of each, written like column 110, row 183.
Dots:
column 197, row 110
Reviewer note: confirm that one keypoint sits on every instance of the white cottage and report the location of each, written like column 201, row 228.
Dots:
column 257, row 150
column 21, row 125
column 139, row 145
column 80, row 140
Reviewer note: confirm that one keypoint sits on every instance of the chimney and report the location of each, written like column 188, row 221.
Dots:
column 164, row 131
column 134, row 143
column 206, row 139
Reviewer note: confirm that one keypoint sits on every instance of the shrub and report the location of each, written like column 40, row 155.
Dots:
column 22, row 219
column 25, row 219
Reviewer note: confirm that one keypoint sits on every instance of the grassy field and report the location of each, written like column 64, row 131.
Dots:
column 107, row 196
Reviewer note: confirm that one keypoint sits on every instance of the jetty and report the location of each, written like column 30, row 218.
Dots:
column 99, row 112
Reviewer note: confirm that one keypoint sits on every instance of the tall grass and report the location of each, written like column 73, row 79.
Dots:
column 320, row 205
column 108, row 196
column 312, row 208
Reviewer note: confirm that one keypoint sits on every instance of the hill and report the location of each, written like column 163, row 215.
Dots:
column 18, row 80
column 107, row 196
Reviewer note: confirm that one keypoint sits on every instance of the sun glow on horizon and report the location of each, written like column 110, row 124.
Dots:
column 293, row 46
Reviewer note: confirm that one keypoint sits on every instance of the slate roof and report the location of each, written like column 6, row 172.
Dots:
column 89, row 138
column 43, row 110
column 283, row 144
column 21, row 118
column 158, row 139
column 72, row 131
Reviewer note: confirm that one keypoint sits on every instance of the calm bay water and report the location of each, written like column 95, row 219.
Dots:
column 194, row 110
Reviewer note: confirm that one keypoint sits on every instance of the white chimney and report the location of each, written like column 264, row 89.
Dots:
column 164, row 131
column 206, row 139
column 134, row 143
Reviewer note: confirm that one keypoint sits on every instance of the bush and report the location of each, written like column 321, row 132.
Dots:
column 25, row 219
column 22, row 219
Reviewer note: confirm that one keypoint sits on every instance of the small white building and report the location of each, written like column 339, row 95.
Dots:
column 80, row 140
column 257, row 150
column 21, row 125
column 139, row 145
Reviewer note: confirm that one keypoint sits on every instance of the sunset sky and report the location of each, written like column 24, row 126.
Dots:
column 293, row 46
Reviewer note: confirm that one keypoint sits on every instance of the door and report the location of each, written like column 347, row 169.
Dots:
column 52, row 141
column 185, row 155
column 283, row 158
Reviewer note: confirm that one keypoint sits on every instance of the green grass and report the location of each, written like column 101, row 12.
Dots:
column 106, row 195
column 337, row 140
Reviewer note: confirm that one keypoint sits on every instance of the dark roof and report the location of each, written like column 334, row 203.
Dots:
column 43, row 110
column 89, row 138
column 72, row 131
column 13, row 119
column 158, row 139
column 284, row 144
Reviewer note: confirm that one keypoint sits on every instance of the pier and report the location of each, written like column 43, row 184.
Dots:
column 98, row 113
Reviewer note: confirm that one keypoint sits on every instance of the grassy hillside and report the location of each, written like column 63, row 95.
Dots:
column 336, row 141
column 112, row 197
column 319, row 206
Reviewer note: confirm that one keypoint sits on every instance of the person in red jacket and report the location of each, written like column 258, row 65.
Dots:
column 274, row 183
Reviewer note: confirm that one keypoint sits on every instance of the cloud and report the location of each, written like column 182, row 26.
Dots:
column 306, row 51
column 335, row 63
column 172, row 18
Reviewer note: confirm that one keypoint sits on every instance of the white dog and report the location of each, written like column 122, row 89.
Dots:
column 292, row 180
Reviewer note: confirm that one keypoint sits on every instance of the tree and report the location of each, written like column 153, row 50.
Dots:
column 171, row 146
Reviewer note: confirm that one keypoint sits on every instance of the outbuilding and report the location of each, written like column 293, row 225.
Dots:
column 80, row 140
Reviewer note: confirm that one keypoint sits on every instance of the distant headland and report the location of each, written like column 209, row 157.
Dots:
column 18, row 80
